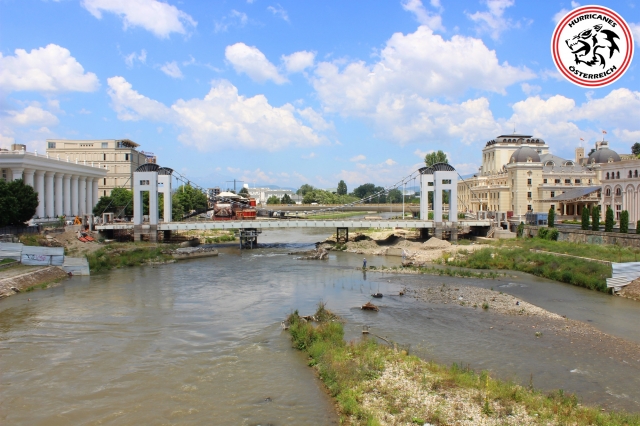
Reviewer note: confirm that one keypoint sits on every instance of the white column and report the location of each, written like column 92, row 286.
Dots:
column 17, row 173
column 74, row 195
column 89, row 199
column 48, row 193
column 28, row 177
column 58, row 207
column 82, row 195
column 66, row 195
column 96, row 192
column 40, row 190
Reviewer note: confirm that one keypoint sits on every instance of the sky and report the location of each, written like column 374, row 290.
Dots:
column 292, row 92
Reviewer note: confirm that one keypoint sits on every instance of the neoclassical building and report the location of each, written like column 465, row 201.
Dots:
column 520, row 175
column 620, row 188
column 64, row 187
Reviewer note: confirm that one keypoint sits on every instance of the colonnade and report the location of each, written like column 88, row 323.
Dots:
column 60, row 194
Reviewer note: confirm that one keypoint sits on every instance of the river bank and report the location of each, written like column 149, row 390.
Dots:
column 377, row 384
column 22, row 278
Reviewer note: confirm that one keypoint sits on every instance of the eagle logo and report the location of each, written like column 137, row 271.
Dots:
column 587, row 45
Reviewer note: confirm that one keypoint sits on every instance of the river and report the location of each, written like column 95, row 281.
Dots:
column 199, row 341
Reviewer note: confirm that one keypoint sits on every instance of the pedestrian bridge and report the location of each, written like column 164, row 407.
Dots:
column 293, row 223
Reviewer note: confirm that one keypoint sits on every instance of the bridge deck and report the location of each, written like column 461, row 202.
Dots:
column 293, row 223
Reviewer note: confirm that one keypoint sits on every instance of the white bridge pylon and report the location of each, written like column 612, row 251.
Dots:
column 435, row 180
column 155, row 180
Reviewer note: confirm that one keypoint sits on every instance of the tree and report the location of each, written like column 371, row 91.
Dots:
column 273, row 200
column 635, row 149
column 608, row 220
column 191, row 198
column 551, row 221
column 122, row 200
column 342, row 188
column 435, row 157
column 18, row 202
column 304, row 189
column 638, row 227
column 177, row 210
column 624, row 221
column 585, row 218
column 395, row 196
column 244, row 192
column 286, row 199
column 595, row 218
column 104, row 205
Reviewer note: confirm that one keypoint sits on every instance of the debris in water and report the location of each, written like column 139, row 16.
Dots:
column 365, row 329
column 369, row 307
column 377, row 295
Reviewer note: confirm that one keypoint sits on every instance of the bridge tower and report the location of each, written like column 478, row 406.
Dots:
column 435, row 180
column 153, row 179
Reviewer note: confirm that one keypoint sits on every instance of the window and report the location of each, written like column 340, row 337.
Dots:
column 608, row 191
column 528, row 195
column 618, row 191
column 104, row 157
column 51, row 145
column 105, row 181
column 607, row 175
column 126, row 157
column 530, row 207
column 567, row 181
column 528, row 181
column 578, row 181
column 617, row 175
column 446, row 181
column 544, row 181
column 557, row 180
column 105, row 144
column 635, row 174
column 4, row 175
column 630, row 174
column 144, row 182
column 553, row 194
column 553, row 206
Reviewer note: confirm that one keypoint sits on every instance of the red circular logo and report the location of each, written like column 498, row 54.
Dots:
column 592, row 46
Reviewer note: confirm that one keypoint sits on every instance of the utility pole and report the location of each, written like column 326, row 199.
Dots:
column 234, row 184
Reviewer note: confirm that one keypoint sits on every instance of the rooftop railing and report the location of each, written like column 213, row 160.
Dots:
column 57, row 158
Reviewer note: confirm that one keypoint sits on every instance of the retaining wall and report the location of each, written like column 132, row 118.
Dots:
column 590, row 237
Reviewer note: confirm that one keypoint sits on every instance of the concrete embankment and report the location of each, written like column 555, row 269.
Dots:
column 21, row 278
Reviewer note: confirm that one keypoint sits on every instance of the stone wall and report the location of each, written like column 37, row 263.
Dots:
column 590, row 237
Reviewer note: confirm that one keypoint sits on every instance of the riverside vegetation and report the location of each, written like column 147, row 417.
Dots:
column 377, row 384
column 516, row 255
column 127, row 254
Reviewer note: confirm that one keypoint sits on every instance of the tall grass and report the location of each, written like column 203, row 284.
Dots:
column 109, row 258
column 349, row 371
column 578, row 272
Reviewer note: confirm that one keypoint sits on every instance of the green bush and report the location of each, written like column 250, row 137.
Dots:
column 552, row 218
column 585, row 219
column 608, row 222
column 553, row 234
column 543, row 232
column 520, row 231
column 624, row 221
column 638, row 227
column 595, row 218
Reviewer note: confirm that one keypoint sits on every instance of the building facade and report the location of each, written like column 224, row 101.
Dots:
column 262, row 194
column 520, row 175
column 621, row 188
column 120, row 157
column 64, row 187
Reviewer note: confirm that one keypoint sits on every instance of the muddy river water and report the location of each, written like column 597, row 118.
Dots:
column 199, row 342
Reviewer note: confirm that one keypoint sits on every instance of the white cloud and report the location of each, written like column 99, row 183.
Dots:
column 251, row 61
column 390, row 162
column 298, row 61
column 493, row 21
column 562, row 121
column 158, row 17
column 423, row 16
column 234, row 19
column 84, row 111
column 279, row 12
column 222, row 119
column 466, row 168
column 316, row 120
column 530, row 89
column 132, row 57
column 172, row 70
column 131, row 105
column 358, row 158
column 395, row 94
column 47, row 69
column 310, row 156
column 32, row 115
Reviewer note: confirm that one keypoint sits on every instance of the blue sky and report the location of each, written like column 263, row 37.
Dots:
column 292, row 92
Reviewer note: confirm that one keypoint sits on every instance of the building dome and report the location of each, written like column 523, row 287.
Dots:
column 525, row 155
column 603, row 155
